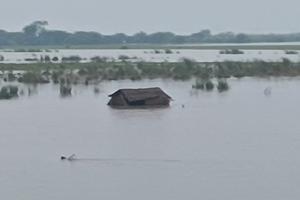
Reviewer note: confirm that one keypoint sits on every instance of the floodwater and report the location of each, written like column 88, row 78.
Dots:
column 240, row 144
column 147, row 55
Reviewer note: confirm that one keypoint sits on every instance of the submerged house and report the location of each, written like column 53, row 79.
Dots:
column 146, row 97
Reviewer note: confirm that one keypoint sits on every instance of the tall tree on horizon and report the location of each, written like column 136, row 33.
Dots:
column 35, row 29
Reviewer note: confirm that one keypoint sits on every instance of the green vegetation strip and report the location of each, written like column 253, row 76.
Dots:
column 182, row 70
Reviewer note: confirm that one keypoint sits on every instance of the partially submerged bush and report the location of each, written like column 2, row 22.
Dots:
column 11, row 77
column 199, row 85
column 9, row 92
column 46, row 59
column 209, row 85
column 204, row 84
column 32, row 77
column 182, row 72
column 123, row 57
column 168, row 51
column 290, row 52
column 231, row 51
column 222, row 86
column 65, row 90
column 157, row 51
column 188, row 62
column 29, row 50
column 55, row 59
column 75, row 59
column 99, row 59
column 83, row 72
column 32, row 60
column 55, row 76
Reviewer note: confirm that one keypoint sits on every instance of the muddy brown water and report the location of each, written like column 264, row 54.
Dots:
column 240, row 144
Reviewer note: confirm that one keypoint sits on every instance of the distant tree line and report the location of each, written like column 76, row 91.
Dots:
column 37, row 34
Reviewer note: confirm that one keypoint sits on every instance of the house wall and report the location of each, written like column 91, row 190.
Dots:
column 117, row 100
column 137, row 103
column 159, row 101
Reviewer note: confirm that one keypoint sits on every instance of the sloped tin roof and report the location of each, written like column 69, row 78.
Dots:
column 133, row 95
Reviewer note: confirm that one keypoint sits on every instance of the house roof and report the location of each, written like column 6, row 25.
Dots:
column 141, row 94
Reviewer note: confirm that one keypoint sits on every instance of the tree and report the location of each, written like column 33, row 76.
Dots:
column 242, row 38
column 202, row 36
column 140, row 37
column 35, row 28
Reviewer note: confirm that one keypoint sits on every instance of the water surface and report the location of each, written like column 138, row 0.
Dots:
column 146, row 55
column 235, row 145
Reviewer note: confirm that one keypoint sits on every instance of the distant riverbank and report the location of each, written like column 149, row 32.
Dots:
column 203, row 46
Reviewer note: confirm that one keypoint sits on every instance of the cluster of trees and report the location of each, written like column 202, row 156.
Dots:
column 37, row 34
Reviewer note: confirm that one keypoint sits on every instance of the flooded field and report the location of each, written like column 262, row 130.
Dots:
column 147, row 55
column 239, row 144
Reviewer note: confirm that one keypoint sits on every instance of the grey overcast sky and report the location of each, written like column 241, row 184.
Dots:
column 131, row 16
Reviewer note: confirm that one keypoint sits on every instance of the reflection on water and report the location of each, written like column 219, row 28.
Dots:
column 239, row 144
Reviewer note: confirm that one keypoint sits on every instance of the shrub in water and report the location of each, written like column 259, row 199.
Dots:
column 199, row 85
column 32, row 77
column 209, row 85
column 8, row 92
column 222, row 85
column 99, row 59
column 168, row 51
column 11, row 77
column 55, row 59
column 124, row 57
column 75, row 59
column 289, row 52
column 65, row 90
column 231, row 51
column 157, row 51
